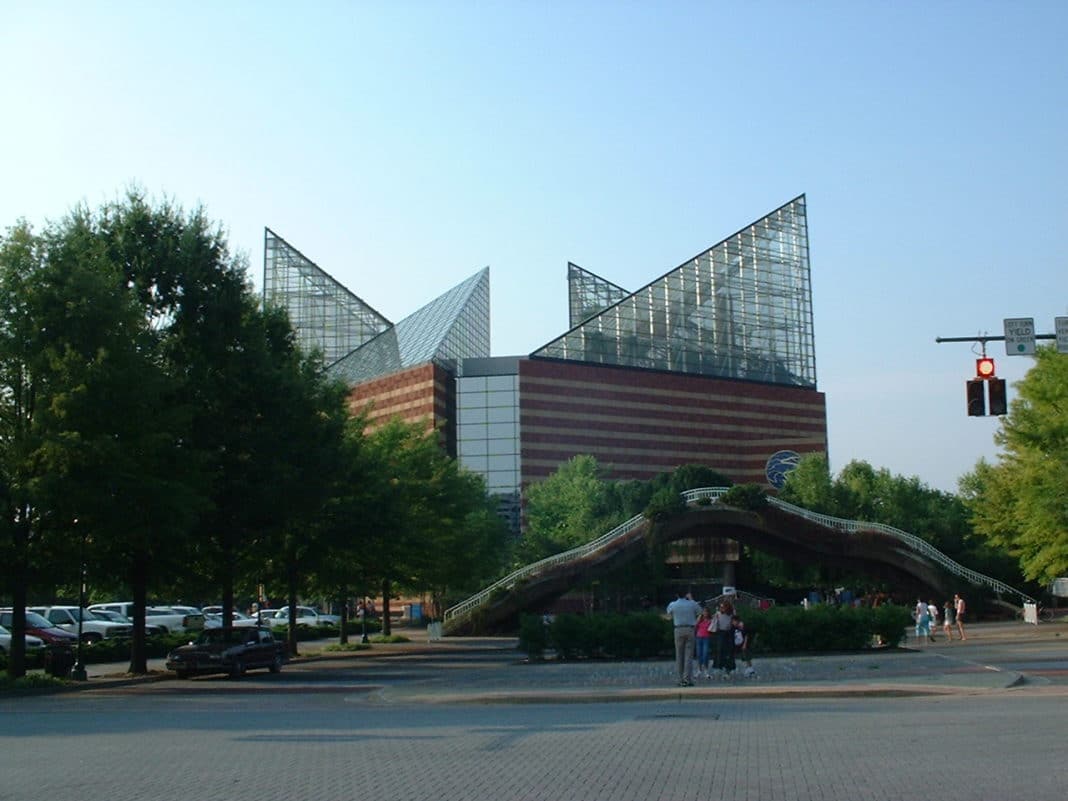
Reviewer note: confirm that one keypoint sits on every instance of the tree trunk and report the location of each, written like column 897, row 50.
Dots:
column 387, row 627
column 139, row 583
column 16, row 658
column 343, row 635
column 291, row 580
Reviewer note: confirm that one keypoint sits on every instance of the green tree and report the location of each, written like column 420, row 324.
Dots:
column 570, row 507
column 1020, row 503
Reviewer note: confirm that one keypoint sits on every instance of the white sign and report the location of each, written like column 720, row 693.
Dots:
column 1060, row 325
column 1020, row 336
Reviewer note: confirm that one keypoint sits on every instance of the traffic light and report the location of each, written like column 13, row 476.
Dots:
column 998, row 402
column 984, row 367
column 976, row 398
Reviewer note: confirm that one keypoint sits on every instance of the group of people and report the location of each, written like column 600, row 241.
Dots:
column 719, row 638
column 926, row 617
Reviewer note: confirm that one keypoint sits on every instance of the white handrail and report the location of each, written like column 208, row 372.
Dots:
column 714, row 494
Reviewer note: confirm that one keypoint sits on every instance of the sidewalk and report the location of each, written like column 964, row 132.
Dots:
column 492, row 670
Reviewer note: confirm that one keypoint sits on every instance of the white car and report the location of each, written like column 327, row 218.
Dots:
column 94, row 629
column 213, row 620
column 33, row 644
column 306, row 616
column 170, row 620
column 116, row 617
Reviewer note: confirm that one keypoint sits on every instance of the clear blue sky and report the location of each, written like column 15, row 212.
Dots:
column 403, row 146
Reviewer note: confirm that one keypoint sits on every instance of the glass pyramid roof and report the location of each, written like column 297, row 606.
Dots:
column 449, row 329
column 326, row 316
column 589, row 294
column 741, row 309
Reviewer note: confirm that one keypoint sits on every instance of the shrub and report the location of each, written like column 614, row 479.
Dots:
column 533, row 636
column 347, row 647
column 746, row 496
column 664, row 504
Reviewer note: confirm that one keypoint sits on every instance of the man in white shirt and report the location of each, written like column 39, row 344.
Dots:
column 684, row 612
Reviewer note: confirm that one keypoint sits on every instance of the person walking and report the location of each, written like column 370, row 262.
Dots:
column 741, row 646
column 701, row 637
column 958, row 613
column 947, row 620
column 923, row 622
column 683, row 612
column 932, row 623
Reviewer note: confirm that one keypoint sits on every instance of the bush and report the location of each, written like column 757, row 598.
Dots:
column 664, row 504
column 745, row 496
column 779, row 630
column 533, row 636
column 32, row 681
column 347, row 647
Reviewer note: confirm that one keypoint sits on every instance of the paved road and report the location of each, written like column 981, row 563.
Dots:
column 419, row 723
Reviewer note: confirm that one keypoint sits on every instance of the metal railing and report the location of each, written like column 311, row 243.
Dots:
column 508, row 582
column 694, row 496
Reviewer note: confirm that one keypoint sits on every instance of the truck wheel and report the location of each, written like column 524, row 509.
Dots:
column 276, row 664
column 90, row 637
column 182, row 674
column 237, row 669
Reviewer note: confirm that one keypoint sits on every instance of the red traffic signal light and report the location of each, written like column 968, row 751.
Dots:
column 984, row 368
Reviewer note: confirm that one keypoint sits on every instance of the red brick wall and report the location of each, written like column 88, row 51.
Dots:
column 638, row 423
column 423, row 394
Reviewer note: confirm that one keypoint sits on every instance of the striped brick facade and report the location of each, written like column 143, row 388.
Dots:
column 424, row 394
column 639, row 423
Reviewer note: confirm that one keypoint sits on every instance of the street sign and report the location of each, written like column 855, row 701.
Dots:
column 1060, row 325
column 1020, row 336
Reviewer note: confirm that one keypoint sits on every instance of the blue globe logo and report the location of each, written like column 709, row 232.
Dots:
column 780, row 463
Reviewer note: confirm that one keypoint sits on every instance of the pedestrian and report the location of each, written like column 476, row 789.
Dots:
column 958, row 613
column 947, row 619
column 932, row 613
column 923, row 621
column 701, row 637
column 723, row 634
column 741, row 646
column 683, row 612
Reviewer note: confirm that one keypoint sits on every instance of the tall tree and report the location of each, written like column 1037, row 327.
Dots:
column 1020, row 503
column 21, row 259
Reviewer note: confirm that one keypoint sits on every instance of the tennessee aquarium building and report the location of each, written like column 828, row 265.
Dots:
column 712, row 363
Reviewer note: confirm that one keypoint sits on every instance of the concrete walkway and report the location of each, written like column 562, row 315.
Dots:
column 492, row 670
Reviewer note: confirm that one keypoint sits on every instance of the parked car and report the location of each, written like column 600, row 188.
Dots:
column 94, row 629
column 41, row 628
column 214, row 620
column 230, row 651
column 58, row 644
column 151, row 629
column 170, row 620
column 306, row 616
column 266, row 617
column 34, row 645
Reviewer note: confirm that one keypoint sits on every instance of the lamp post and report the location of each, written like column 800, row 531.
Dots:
column 363, row 620
column 78, row 673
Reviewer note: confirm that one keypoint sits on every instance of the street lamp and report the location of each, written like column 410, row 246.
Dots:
column 78, row 673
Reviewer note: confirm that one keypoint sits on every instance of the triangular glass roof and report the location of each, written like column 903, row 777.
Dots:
column 452, row 327
column 741, row 309
column 449, row 329
column 588, row 294
column 326, row 316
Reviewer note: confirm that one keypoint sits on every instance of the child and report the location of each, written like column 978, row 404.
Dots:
column 741, row 646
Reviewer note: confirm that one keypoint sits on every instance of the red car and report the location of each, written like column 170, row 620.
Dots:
column 40, row 627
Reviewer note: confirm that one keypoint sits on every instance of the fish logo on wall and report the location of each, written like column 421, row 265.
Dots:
column 781, row 463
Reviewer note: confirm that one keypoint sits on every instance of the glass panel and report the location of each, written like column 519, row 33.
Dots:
column 501, row 430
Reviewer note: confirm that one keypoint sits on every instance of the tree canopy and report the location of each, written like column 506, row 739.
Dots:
column 1020, row 503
